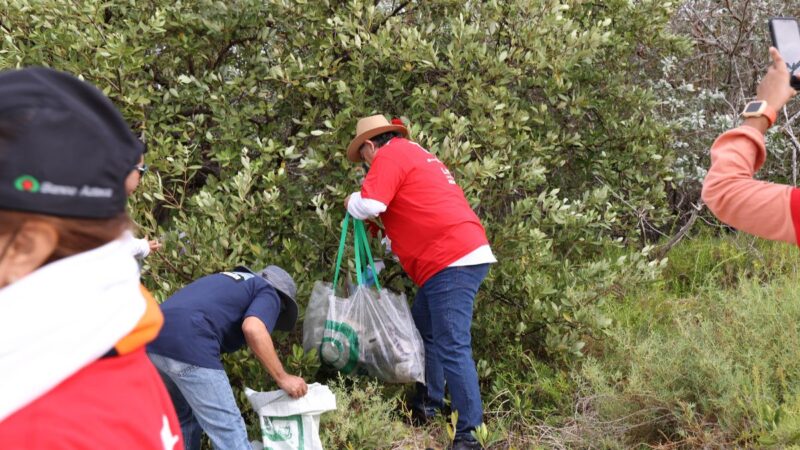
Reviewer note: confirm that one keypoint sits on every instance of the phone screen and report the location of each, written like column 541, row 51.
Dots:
column 787, row 40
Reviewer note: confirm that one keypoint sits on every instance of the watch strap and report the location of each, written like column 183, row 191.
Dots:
column 765, row 110
column 770, row 114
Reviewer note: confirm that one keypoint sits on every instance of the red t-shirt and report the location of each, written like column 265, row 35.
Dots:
column 427, row 218
column 117, row 402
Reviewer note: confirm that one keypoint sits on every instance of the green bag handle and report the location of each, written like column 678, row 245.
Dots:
column 362, row 251
column 359, row 256
column 339, row 256
column 361, row 235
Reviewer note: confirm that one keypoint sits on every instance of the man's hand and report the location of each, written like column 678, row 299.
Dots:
column 294, row 386
column 260, row 342
column 774, row 87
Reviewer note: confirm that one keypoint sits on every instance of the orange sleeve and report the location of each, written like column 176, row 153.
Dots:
column 760, row 208
column 146, row 329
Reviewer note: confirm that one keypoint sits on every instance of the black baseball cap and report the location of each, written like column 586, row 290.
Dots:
column 65, row 150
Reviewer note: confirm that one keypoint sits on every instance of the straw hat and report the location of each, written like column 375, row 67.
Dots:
column 369, row 127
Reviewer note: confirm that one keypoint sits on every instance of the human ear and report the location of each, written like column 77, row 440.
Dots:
column 369, row 154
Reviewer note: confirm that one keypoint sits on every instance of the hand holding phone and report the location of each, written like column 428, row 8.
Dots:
column 785, row 34
column 775, row 87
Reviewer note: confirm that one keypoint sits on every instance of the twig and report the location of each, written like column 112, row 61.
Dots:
column 386, row 19
column 174, row 269
column 640, row 213
column 696, row 208
column 792, row 119
column 787, row 129
column 224, row 51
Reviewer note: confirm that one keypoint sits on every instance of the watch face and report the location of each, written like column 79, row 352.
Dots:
column 753, row 107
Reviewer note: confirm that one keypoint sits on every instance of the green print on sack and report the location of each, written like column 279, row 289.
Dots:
column 273, row 432
column 336, row 334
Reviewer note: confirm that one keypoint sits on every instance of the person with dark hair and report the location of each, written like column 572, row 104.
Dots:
column 220, row 313
column 442, row 246
column 73, row 317
column 764, row 209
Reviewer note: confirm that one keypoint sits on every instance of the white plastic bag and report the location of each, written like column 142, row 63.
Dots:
column 291, row 424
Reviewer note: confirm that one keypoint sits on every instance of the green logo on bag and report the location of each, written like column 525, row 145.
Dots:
column 276, row 434
column 284, row 430
column 339, row 346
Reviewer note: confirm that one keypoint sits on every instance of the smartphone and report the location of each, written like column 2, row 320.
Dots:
column 786, row 38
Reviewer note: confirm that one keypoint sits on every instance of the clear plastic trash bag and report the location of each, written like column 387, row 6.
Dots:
column 369, row 332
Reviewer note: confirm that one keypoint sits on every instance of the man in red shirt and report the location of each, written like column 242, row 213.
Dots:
column 442, row 245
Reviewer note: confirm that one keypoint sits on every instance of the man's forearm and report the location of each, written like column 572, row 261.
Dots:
column 260, row 342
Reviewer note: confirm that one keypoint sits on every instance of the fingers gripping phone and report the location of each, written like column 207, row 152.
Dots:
column 786, row 38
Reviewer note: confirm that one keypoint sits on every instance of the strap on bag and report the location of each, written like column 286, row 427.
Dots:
column 342, row 240
column 362, row 252
column 358, row 247
column 361, row 235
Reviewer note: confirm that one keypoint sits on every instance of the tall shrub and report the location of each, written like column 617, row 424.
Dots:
column 540, row 108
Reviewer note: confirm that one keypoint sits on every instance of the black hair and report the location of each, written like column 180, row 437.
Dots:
column 384, row 138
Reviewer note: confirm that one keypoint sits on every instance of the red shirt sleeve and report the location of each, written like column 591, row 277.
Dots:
column 385, row 177
column 794, row 206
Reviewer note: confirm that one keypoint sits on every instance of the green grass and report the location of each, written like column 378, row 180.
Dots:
column 710, row 356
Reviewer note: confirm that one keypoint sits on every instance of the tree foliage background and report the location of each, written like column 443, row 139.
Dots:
column 564, row 121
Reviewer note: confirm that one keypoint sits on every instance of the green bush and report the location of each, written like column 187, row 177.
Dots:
column 542, row 110
column 246, row 107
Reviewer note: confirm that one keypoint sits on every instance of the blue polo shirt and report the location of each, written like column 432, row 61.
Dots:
column 204, row 319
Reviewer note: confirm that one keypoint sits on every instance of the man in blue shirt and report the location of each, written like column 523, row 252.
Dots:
column 217, row 314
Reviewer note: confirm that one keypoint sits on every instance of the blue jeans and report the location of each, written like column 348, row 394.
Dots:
column 204, row 401
column 442, row 311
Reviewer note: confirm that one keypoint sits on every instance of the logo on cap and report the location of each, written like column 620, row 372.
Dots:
column 27, row 183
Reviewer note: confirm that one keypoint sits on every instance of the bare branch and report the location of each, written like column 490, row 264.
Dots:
column 223, row 53
column 395, row 12
column 674, row 240
column 787, row 130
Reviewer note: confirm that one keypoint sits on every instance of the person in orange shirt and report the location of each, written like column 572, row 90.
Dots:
column 760, row 208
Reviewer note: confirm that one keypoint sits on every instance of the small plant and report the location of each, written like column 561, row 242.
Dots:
column 363, row 419
column 301, row 363
column 451, row 427
column 486, row 437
